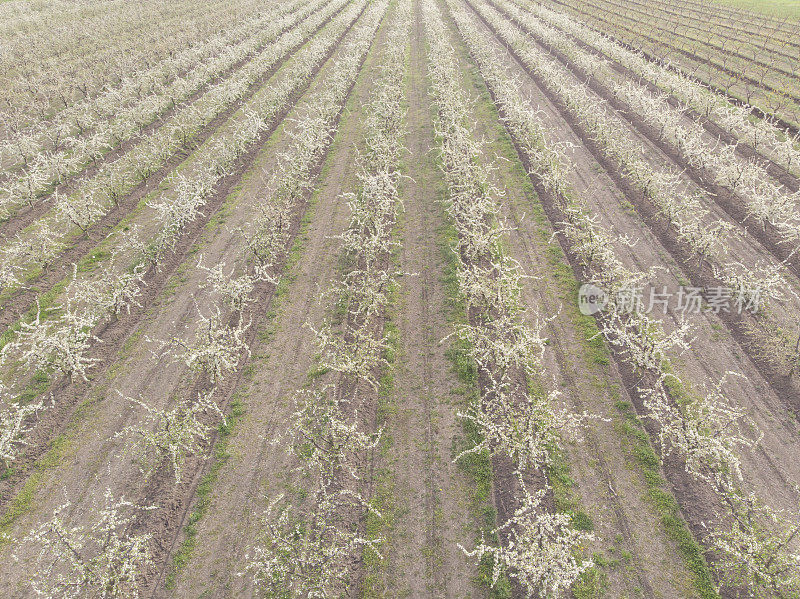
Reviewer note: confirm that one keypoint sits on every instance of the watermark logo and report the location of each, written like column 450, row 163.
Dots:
column 591, row 299
column 685, row 299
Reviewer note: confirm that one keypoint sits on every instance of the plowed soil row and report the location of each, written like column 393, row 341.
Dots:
column 429, row 494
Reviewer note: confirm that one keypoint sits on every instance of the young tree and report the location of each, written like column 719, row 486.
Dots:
column 14, row 424
column 758, row 550
column 266, row 239
column 235, row 291
column 100, row 560
column 307, row 552
column 112, row 291
column 174, row 213
column 176, row 433
column 61, row 343
column 9, row 272
column 541, row 550
column 356, row 354
column 708, row 432
column 643, row 340
column 81, row 210
column 326, row 440
column 216, row 347
column 523, row 426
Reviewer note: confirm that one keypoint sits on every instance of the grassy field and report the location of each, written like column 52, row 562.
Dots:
column 780, row 8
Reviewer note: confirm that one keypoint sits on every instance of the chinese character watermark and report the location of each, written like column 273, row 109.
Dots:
column 685, row 299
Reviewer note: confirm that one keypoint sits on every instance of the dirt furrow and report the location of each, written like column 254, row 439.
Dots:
column 430, row 509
